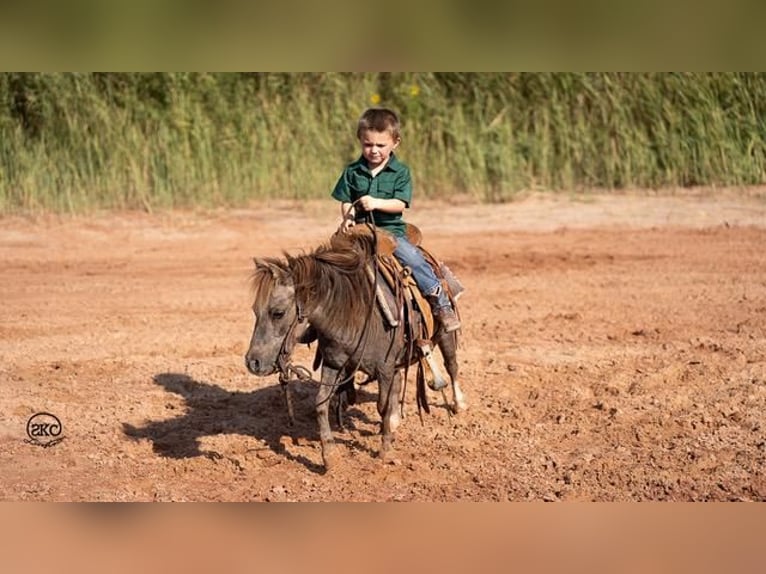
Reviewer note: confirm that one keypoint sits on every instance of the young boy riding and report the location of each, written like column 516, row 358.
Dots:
column 379, row 186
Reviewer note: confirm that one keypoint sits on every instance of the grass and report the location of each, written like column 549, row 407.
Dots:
column 84, row 141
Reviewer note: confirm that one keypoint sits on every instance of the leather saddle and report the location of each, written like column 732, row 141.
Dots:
column 402, row 297
column 401, row 286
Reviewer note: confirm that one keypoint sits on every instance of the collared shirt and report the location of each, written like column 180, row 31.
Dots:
column 392, row 182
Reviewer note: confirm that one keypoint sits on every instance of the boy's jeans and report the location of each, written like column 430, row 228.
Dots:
column 409, row 255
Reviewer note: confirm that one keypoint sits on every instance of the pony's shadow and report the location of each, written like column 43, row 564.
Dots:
column 261, row 413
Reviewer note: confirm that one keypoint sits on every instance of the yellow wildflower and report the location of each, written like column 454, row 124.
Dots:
column 414, row 90
column 375, row 99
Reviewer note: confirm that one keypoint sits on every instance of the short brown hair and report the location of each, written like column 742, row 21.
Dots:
column 379, row 120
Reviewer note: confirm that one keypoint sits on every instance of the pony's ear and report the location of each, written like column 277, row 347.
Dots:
column 261, row 265
column 267, row 264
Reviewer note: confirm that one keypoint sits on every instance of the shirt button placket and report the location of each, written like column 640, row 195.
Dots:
column 374, row 193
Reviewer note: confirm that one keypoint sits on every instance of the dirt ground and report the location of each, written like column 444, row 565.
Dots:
column 613, row 348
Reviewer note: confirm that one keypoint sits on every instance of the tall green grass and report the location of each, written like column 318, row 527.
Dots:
column 73, row 142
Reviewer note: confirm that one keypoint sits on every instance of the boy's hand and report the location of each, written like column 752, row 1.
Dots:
column 367, row 203
column 346, row 224
column 348, row 214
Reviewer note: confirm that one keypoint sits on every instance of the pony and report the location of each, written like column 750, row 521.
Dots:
column 327, row 295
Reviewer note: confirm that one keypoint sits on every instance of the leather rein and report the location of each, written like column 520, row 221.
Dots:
column 302, row 374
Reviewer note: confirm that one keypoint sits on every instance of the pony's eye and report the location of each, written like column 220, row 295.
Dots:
column 277, row 313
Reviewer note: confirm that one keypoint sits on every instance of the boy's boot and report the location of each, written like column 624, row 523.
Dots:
column 442, row 309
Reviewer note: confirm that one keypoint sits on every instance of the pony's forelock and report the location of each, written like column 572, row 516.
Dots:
column 268, row 271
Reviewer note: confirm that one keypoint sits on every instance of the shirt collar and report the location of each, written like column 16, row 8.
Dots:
column 393, row 164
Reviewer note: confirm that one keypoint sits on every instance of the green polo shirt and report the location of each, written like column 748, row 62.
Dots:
column 392, row 182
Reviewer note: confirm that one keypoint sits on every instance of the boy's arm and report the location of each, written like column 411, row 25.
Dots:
column 347, row 213
column 342, row 193
column 391, row 205
column 400, row 201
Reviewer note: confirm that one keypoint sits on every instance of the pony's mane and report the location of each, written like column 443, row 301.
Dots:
column 333, row 277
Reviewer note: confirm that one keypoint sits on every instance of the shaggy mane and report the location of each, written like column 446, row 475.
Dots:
column 333, row 277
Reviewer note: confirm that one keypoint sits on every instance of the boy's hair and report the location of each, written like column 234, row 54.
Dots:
column 379, row 120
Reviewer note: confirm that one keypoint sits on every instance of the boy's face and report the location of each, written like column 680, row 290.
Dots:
column 377, row 147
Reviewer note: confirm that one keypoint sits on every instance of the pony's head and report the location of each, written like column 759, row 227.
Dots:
column 277, row 325
column 328, row 285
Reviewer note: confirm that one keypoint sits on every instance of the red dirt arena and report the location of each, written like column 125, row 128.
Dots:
column 613, row 348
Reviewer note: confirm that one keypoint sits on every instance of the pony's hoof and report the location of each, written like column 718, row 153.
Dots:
column 385, row 450
column 459, row 407
column 330, row 458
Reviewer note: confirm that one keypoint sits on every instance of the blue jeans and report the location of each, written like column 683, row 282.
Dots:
column 409, row 255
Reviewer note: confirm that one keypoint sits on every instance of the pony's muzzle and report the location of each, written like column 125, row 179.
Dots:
column 257, row 367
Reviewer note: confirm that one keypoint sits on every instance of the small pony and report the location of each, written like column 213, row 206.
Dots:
column 328, row 295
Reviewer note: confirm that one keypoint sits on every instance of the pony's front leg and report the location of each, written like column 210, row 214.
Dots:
column 459, row 403
column 448, row 347
column 390, row 387
column 326, row 389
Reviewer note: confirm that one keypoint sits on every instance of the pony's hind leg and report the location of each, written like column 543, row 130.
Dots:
column 345, row 396
column 448, row 347
column 326, row 389
column 389, row 409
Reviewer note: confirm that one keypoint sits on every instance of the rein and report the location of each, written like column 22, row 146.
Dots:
column 362, row 342
column 302, row 374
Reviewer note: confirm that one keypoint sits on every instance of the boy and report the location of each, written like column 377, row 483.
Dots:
column 379, row 184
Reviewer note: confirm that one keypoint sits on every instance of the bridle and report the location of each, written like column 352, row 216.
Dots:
column 285, row 366
column 288, row 343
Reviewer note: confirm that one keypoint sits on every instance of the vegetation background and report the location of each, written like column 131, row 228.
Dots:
column 82, row 141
